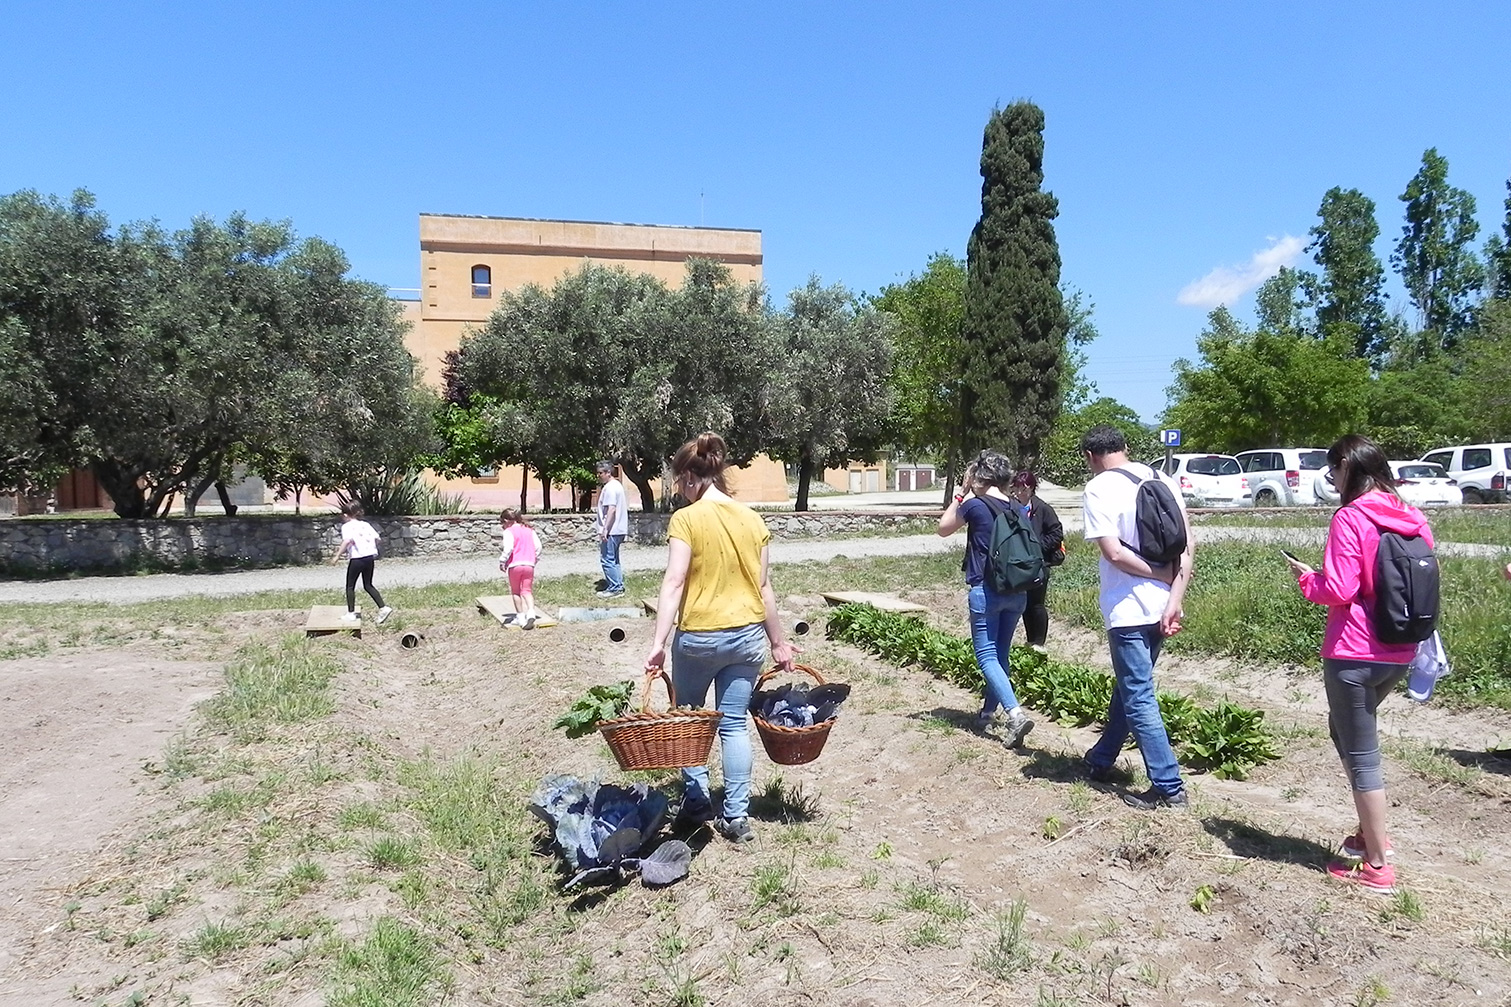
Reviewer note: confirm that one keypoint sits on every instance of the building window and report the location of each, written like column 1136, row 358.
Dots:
column 482, row 281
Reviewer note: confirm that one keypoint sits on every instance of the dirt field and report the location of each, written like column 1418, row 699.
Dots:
column 151, row 859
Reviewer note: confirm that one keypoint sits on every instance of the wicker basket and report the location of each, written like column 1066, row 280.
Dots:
column 792, row 746
column 675, row 739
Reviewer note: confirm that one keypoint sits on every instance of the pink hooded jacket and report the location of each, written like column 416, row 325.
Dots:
column 1346, row 582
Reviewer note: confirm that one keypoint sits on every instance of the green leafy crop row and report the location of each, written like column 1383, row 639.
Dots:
column 1226, row 740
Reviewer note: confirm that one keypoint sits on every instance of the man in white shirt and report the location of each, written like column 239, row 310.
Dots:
column 1141, row 605
column 613, row 524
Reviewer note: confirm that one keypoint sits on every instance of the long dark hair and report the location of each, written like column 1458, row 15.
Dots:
column 700, row 463
column 1364, row 467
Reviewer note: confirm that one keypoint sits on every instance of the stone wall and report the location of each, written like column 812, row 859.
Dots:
column 50, row 544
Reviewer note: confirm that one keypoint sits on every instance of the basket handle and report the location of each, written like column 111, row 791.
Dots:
column 671, row 693
column 768, row 675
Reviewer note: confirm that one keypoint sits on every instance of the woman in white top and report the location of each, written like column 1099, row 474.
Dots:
column 359, row 540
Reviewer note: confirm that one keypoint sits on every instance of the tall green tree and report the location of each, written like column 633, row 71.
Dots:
column 1266, row 389
column 1015, row 320
column 64, row 300
column 836, row 355
column 1351, row 291
column 706, row 359
column 1434, row 254
column 1484, row 390
column 1498, row 256
column 927, row 352
column 1281, row 302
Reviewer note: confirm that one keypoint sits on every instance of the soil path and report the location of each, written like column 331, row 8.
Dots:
column 79, row 729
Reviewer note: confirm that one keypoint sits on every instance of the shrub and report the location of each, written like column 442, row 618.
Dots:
column 1226, row 740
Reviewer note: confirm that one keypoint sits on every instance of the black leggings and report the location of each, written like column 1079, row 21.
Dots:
column 1036, row 616
column 360, row 568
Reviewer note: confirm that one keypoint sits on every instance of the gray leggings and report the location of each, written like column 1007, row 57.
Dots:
column 1354, row 690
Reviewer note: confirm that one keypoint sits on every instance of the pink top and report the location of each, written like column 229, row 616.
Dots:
column 1346, row 582
column 521, row 546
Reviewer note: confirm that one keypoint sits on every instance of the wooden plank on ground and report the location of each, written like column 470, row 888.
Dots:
column 885, row 602
column 650, row 605
column 327, row 619
column 501, row 606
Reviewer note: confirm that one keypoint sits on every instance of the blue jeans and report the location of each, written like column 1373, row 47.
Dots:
column 730, row 660
column 993, row 619
column 608, row 557
column 1134, row 709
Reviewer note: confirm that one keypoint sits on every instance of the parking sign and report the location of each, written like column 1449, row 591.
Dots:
column 1170, row 438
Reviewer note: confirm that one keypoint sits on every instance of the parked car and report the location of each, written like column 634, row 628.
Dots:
column 1283, row 477
column 1425, row 484
column 1208, row 480
column 1481, row 470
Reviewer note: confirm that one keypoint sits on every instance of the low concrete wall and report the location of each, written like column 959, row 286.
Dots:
column 52, row 545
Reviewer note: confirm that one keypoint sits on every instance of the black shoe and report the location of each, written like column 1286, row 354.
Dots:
column 736, row 830
column 1154, row 798
column 1098, row 774
column 691, row 817
column 528, row 623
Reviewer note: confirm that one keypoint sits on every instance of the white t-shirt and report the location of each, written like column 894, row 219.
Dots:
column 363, row 538
column 612, row 495
column 1108, row 511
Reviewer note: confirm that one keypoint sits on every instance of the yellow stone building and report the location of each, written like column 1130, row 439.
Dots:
column 466, row 262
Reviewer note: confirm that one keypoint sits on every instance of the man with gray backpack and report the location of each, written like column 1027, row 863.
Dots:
column 1136, row 517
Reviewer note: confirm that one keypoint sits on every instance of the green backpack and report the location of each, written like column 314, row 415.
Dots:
column 1015, row 557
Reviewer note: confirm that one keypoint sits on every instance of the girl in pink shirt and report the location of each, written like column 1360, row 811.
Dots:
column 1358, row 669
column 521, row 550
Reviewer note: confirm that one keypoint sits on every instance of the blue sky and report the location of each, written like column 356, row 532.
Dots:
column 1182, row 138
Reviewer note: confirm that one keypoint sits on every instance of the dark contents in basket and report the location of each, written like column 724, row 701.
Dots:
column 799, row 704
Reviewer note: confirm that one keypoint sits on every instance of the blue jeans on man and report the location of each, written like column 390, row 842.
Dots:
column 994, row 617
column 730, row 660
column 608, row 558
column 1135, row 710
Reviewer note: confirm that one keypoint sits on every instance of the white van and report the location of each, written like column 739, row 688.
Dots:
column 1283, row 477
column 1481, row 470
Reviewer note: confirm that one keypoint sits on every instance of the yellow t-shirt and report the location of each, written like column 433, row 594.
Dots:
column 723, row 588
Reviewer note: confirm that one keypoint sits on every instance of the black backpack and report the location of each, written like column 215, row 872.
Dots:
column 1406, row 588
column 1157, row 516
column 1014, row 557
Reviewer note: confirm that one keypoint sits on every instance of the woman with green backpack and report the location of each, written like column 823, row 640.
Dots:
column 994, row 616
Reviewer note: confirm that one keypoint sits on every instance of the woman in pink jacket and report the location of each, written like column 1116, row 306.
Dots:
column 1358, row 670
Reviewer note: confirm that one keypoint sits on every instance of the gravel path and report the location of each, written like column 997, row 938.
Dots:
column 484, row 567
column 421, row 571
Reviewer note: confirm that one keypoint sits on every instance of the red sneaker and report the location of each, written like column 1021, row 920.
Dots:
column 1353, row 847
column 1366, row 876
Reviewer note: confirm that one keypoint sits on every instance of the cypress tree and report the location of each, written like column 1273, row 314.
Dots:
column 1015, row 322
column 1498, row 256
column 1434, row 254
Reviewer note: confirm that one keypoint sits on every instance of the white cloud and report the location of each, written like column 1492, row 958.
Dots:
column 1226, row 284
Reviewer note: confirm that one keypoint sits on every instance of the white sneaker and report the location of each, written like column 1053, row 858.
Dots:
column 352, row 617
column 1017, row 727
column 384, row 613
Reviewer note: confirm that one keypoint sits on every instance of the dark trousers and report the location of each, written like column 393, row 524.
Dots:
column 360, row 568
column 1036, row 616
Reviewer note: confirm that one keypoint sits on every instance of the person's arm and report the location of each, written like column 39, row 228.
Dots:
column 503, row 559
column 951, row 520
column 679, row 559
column 346, row 543
column 1170, row 621
column 1053, row 535
column 1130, row 562
column 782, row 652
column 1341, row 577
column 608, row 520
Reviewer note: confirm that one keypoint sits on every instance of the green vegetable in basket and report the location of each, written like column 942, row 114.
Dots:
column 601, row 702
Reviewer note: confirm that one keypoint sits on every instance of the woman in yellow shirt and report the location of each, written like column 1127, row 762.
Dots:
column 718, row 592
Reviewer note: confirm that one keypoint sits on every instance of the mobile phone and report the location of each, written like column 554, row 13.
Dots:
column 1289, row 555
